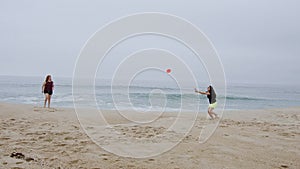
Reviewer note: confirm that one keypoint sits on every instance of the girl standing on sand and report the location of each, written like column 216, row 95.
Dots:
column 47, row 89
column 211, row 95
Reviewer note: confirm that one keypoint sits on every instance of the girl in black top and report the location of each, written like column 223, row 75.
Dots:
column 47, row 89
column 211, row 95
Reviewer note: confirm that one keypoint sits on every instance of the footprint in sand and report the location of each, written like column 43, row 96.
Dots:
column 284, row 166
column 69, row 138
column 4, row 138
column 61, row 133
column 294, row 116
column 286, row 134
column 42, row 109
column 74, row 161
column 223, row 125
column 104, row 156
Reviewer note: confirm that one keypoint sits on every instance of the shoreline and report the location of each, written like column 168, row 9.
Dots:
column 54, row 138
column 202, row 111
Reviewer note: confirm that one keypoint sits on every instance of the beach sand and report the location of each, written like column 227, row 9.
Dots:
column 34, row 137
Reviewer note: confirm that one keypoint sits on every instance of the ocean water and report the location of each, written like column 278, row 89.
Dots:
column 150, row 97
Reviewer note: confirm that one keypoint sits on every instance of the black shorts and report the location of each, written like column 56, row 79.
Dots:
column 49, row 92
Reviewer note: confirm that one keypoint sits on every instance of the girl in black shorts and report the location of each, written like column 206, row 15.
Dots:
column 47, row 89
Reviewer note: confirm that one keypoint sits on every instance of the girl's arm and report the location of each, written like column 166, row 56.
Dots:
column 205, row 93
column 43, row 87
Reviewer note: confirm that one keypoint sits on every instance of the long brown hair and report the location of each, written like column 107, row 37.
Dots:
column 47, row 78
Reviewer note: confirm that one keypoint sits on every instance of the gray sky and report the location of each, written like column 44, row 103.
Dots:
column 257, row 41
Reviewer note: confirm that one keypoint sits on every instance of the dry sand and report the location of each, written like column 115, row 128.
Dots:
column 33, row 137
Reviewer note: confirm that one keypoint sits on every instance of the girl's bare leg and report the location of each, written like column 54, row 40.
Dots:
column 49, row 98
column 210, row 113
column 46, row 98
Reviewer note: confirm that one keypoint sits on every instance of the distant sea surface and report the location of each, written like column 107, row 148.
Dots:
column 153, row 96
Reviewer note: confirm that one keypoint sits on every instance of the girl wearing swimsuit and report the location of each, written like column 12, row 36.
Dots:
column 47, row 89
column 211, row 95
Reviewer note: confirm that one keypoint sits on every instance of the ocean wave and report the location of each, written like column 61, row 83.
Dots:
column 244, row 98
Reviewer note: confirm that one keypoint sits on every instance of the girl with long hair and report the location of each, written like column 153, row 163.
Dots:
column 47, row 89
column 211, row 95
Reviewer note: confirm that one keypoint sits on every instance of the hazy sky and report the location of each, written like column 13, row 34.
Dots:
column 257, row 41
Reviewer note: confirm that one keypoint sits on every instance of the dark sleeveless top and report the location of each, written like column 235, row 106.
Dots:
column 212, row 97
column 48, row 86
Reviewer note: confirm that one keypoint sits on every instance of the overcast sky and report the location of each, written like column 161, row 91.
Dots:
column 257, row 41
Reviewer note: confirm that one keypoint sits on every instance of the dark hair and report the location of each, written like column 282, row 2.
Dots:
column 47, row 78
column 213, row 94
column 211, row 90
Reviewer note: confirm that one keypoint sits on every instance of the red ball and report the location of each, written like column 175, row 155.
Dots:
column 168, row 70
